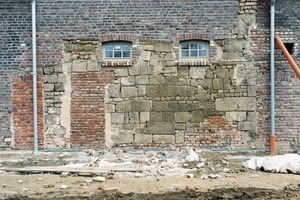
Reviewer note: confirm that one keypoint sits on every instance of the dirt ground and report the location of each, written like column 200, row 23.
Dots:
column 235, row 183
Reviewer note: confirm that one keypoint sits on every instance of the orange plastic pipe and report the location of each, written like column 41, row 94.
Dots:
column 288, row 56
column 273, row 147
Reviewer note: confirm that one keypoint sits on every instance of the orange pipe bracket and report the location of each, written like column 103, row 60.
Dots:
column 288, row 56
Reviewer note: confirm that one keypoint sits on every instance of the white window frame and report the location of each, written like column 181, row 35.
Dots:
column 192, row 47
column 114, row 49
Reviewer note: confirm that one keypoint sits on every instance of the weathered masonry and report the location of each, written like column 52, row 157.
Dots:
column 147, row 74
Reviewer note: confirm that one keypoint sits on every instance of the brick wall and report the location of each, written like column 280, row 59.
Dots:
column 286, row 82
column 23, row 113
column 15, row 34
column 87, row 109
column 147, row 23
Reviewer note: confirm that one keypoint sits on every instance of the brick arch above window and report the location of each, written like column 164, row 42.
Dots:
column 115, row 41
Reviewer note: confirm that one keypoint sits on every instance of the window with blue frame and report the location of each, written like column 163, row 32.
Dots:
column 117, row 50
column 194, row 49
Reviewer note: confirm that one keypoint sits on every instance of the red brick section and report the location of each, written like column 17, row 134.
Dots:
column 260, row 37
column 23, row 113
column 87, row 109
column 214, row 132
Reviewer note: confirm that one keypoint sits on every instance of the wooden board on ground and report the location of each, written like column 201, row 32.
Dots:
column 83, row 170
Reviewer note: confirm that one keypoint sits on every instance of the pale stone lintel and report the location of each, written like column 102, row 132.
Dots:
column 117, row 63
column 194, row 62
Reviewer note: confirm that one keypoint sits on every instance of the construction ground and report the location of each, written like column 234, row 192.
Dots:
column 121, row 173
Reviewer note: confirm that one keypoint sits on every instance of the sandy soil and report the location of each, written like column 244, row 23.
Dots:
column 240, row 183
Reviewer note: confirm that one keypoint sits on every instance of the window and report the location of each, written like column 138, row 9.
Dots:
column 289, row 47
column 115, row 50
column 194, row 49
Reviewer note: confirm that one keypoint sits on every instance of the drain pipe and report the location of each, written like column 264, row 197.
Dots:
column 273, row 150
column 34, row 77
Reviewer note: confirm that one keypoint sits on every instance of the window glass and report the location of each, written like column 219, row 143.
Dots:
column 194, row 46
column 184, row 53
column 126, row 54
column 117, row 54
column 108, row 54
column 194, row 53
column 185, row 46
column 117, row 50
column 109, row 47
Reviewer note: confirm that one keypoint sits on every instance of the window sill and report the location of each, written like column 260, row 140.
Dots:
column 117, row 63
column 194, row 62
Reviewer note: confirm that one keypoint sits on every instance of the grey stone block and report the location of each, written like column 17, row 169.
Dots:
column 179, row 137
column 121, row 72
column 141, row 80
column 58, row 69
column 49, row 70
column 134, row 70
column 141, row 90
column 236, row 104
column 114, row 90
column 120, row 107
column 138, row 105
column 236, row 116
column 142, row 139
column 48, row 87
column 168, row 117
column 156, row 80
column 132, row 118
column 181, row 107
column 246, row 126
column 180, row 126
column 222, row 73
column 156, row 116
column 50, row 119
column 182, row 116
column 217, row 84
column 144, row 117
column 123, row 137
column 196, row 116
column 163, row 139
column 127, row 81
column 198, row 72
column 129, row 91
column 79, row 66
column 159, row 105
column 59, row 87
column 162, row 46
column 50, row 78
column 117, row 118
column 160, row 128
column 93, row 66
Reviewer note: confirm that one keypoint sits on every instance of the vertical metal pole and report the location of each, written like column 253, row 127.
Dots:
column 34, row 76
column 272, row 78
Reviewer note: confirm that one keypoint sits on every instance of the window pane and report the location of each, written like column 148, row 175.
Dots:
column 185, row 53
column 194, row 46
column 203, row 53
column 185, row 46
column 108, row 54
column 194, row 53
column 126, row 47
column 126, row 54
column 202, row 46
column 117, row 47
column 108, row 47
column 117, row 54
